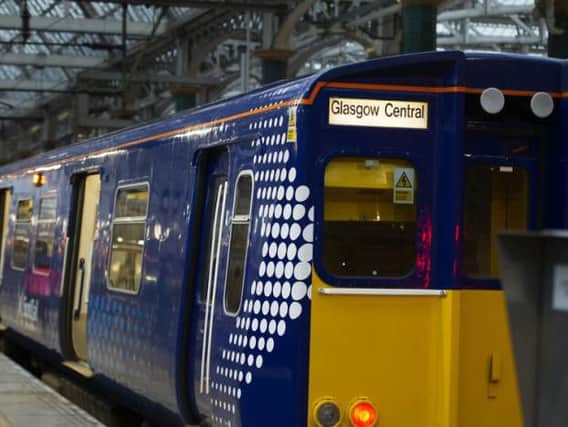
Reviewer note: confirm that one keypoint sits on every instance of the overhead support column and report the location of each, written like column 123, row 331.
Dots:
column 274, row 64
column 80, row 113
column 558, row 36
column 389, row 30
column 419, row 25
column 48, row 129
column 276, row 42
column 273, row 58
column 185, row 97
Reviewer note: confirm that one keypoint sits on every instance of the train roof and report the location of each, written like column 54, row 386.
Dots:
column 431, row 69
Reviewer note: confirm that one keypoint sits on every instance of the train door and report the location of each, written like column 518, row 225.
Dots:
column 207, row 280
column 5, row 203
column 223, row 266
column 501, row 192
column 83, row 234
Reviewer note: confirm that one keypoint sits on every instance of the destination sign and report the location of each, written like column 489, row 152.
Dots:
column 378, row 113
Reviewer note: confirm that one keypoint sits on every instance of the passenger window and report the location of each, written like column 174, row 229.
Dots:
column 369, row 217
column 20, row 249
column 239, row 243
column 495, row 200
column 45, row 234
column 128, row 229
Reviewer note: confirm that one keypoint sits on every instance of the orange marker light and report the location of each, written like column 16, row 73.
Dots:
column 363, row 414
column 38, row 179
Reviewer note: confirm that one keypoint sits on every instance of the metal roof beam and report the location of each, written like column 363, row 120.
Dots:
column 147, row 78
column 72, row 25
column 98, row 123
column 20, row 115
column 367, row 11
column 49, row 86
column 488, row 41
column 480, row 12
column 65, row 61
column 257, row 5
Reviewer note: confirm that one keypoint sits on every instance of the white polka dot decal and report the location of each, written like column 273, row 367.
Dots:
column 277, row 291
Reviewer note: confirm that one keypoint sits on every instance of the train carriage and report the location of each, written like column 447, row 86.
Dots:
column 320, row 252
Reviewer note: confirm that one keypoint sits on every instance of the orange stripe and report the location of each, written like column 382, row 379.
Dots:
column 305, row 101
column 315, row 91
column 398, row 88
column 168, row 134
column 434, row 89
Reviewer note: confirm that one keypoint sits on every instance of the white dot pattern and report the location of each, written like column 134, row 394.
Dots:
column 278, row 291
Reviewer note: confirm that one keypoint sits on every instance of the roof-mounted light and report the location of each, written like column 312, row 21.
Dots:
column 542, row 105
column 492, row 100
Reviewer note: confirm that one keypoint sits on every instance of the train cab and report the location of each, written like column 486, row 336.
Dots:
column 418, row 166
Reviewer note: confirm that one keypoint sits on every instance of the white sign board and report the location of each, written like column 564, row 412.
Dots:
column 560, row 291
column 403, row 187
column 378, row 113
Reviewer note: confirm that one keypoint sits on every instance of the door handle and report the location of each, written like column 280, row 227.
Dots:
column 77, row 312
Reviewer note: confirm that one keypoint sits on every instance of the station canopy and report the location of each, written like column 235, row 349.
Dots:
column 46, row 44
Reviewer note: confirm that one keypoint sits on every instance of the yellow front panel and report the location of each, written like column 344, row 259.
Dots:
column 485, row 341
column 407, row 354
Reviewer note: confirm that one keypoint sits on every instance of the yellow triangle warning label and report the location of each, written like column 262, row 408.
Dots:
column 403, row 181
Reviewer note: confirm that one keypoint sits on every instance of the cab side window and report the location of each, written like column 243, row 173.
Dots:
column 496, row 198
column 238, row 248
column 128, row 233
column 20, row 249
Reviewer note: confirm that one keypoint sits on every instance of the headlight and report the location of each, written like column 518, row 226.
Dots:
column 327, row 413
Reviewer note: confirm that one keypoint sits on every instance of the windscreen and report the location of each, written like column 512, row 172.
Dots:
column 369, row 217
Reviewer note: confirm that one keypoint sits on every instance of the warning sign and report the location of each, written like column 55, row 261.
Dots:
column 403, row 181
column 291, row 134
column 403, row 190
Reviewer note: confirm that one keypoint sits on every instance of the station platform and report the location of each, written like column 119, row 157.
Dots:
column 26, row 402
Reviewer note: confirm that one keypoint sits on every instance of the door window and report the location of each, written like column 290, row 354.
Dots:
column 5, row 199
column 240, row 225
column 45, row 234
column 128, row 229
column 21, row 234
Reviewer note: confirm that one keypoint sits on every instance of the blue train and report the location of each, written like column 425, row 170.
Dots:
column 320, row 252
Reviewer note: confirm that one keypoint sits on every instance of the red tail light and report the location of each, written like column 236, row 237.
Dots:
column 363, row 414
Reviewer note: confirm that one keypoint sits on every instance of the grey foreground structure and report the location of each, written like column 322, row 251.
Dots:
column 534, row 272
column 27, row 402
